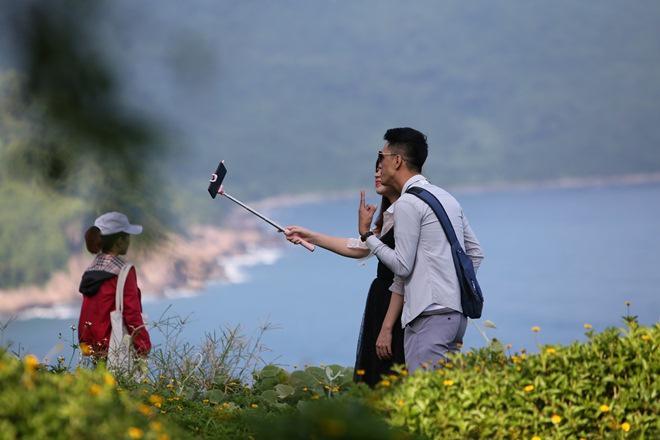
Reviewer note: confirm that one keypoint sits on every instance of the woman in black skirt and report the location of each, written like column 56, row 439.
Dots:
column 380, row 345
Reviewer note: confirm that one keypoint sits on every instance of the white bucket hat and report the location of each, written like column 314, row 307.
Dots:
column 115, row 222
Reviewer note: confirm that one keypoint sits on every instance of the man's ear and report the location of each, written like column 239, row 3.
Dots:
column 398, row 162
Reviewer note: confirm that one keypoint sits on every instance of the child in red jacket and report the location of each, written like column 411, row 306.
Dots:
column 109, row 238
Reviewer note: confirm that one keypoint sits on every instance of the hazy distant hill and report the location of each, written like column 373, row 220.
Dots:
column 296, row 95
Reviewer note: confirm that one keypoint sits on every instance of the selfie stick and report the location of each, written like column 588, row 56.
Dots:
column 215, row 180
column 310, row 247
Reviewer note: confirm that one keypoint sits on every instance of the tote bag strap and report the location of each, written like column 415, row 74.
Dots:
column 121, row 282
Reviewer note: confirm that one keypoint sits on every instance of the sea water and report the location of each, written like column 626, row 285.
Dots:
column 555, row 258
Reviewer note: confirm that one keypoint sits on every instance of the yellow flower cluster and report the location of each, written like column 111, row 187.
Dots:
column 156, row 400
column 31, row 363
column 109, row 379
column 94, row 389
column 135, row 433
column 536, row 329
column 529, row 388
column 144, row 409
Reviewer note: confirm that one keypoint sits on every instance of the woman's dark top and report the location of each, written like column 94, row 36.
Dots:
column 378, row 301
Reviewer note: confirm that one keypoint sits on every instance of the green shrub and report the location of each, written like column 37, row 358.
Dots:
column 277, row 387
column 603, row 388
column 342, row 418
column 36, row 403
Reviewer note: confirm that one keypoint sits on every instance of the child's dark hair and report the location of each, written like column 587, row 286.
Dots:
column 95, row 242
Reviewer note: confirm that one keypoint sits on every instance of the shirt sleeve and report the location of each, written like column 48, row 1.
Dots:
column 397, row 285
column 355, row 243
column 472, row 246
column 133, row 314
column 407, row 228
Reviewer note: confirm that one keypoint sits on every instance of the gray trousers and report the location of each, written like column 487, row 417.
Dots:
column 428, row 338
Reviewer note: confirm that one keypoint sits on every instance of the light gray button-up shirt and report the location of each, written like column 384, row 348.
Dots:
column 422, row 259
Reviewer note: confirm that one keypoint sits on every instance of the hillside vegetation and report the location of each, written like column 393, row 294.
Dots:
column 603, row 388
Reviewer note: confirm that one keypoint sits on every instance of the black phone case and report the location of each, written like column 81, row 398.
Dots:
column 216, row 179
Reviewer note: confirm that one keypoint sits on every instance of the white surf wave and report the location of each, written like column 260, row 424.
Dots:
column 237, row 267
column 64, row 311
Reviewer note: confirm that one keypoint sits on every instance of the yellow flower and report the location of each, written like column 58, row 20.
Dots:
column 205, row 401
column 625, row 426
column 646, row 338
column 536, row 329
column 85, row 349
column 360, row 372
column 94, row 389
column 156, row 426
column 134, row 432
column 448, row 382
column 144, row 409
column 588, row 326
column 536, row 437
column 550, row 350
column 109, row 379
column 555, row 419
column 400, row 402
column 163, row 436
column 604, row 408
column 156, row 400
column 385, row 383
column 529, row 388
column 31, row 363
column 254, row 405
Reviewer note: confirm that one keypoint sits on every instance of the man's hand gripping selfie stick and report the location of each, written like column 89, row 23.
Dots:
column 215, row 187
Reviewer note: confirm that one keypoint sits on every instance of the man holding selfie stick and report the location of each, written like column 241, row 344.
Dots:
column 422, row 259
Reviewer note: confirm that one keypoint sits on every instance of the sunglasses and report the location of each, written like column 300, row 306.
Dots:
column 382, row 155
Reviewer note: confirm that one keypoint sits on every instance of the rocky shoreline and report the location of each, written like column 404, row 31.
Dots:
column 182, row 263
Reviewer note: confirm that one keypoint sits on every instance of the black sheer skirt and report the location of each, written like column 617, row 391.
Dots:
column 368, row 368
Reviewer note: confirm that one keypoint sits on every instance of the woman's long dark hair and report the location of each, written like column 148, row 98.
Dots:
column 95, row 242
column 384, row 204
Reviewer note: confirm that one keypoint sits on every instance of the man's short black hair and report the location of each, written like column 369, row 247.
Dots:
column 411, row 144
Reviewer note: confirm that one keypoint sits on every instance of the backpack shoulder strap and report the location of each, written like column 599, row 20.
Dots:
column 121, row 282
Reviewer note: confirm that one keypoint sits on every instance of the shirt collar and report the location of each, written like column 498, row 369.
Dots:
column 413, row 180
